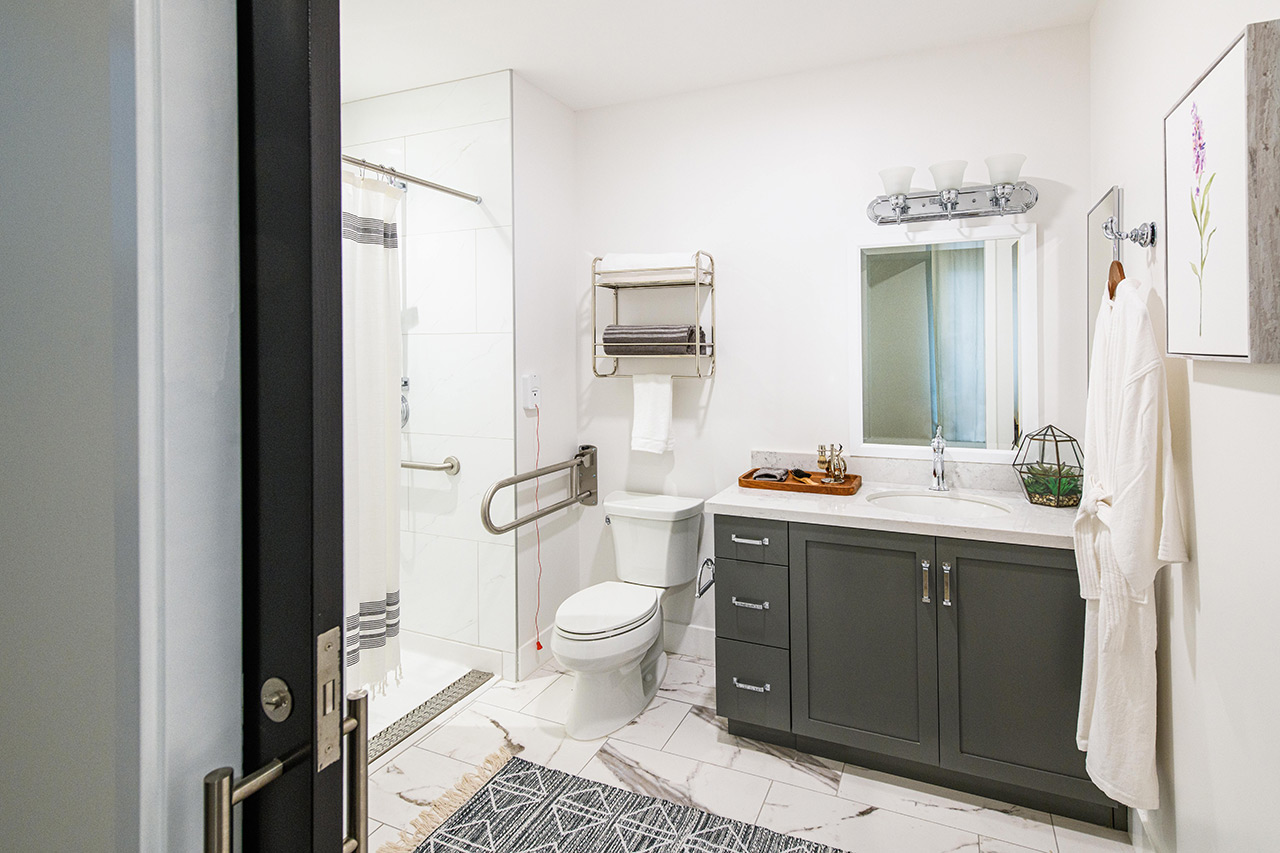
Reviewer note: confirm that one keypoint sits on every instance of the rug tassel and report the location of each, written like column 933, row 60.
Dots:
column 443, row 807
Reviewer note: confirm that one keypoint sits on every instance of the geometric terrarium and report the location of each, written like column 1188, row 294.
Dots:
column 1051, row 467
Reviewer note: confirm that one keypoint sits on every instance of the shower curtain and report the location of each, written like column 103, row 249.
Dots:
column 371, row 428
column 960, row 376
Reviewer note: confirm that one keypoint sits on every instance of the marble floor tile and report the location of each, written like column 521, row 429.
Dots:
column 995, row 845
column 678, row 780
column 552, row 704
column 1078, row 837
column 382, row 835
column 655, row 725
column 854, row 826
column 514, row 695
column 703, row 736
column 1016, row 824
column 405, row 786
column 481, row 729
column 690, row 682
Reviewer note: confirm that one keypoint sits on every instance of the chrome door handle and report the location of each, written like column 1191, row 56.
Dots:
column 754, row 688
column 221, row 792
column 946, row 584
column 750, row 605
column 924, row 595
column 733, row 537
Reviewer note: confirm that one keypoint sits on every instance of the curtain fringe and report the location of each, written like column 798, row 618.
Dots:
column 443, row 807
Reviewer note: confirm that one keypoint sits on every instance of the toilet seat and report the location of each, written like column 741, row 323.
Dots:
column 606, row 610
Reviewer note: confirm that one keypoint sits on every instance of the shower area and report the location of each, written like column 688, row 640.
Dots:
column 429, row 404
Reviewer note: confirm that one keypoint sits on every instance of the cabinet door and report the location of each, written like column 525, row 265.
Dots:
column 864, row 664
column 1010, row 642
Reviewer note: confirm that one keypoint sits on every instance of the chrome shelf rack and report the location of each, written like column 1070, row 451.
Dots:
column 698, row 276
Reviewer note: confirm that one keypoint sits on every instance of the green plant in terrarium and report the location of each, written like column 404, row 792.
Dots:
column 1047, row 478
column 1050, row 468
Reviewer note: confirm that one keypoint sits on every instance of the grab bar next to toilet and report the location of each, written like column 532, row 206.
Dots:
column 450, row 466
column 582, row 489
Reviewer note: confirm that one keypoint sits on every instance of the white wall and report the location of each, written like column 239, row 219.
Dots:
column 457, row 580
column 69, row 422
column 773, row 178
column 547, row 286
column 1219, row 682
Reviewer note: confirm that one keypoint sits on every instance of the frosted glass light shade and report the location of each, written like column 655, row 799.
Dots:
column 1005, row 168
column 897, row 180
column 949, row 174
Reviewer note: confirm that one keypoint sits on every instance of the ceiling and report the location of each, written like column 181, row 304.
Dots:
column 592, row 53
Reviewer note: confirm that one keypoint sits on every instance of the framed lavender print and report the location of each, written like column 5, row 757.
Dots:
column 1222, row 222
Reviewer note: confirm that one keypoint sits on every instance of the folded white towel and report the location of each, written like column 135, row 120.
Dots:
column 622, row 267
column 651, row 427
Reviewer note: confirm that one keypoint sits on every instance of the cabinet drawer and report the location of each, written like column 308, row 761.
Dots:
column 755, row 540
column 752, row 603
column 753, row 684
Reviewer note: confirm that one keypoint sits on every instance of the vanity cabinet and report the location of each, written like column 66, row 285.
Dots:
column 864, row 655
column 952, row 661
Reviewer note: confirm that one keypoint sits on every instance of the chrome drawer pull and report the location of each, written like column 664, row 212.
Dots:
column 733, row 537
column 946, row 584
column 754, row 688
column 750, row 605
column 924, row 566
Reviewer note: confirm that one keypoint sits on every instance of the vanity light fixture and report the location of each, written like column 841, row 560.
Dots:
column 951, row 199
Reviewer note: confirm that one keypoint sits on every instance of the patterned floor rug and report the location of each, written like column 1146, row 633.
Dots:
column 526, row 808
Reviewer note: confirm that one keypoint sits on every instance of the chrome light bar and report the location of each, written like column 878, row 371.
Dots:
column 963, row 203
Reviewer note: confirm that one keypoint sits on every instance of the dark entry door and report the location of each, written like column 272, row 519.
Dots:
column 291, row 347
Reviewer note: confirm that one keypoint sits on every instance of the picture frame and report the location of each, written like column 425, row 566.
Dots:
column 1222, row 227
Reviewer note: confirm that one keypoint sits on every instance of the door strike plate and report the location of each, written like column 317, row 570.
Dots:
column 328, row 698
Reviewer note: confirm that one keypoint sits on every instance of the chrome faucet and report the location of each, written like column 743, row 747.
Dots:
column 939, row 444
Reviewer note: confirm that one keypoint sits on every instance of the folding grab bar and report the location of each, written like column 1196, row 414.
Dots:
column 582, row 489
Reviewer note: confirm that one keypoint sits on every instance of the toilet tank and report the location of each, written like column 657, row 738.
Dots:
column 655, row 537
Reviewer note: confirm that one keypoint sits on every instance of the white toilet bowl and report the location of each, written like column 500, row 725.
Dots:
column 610, row 634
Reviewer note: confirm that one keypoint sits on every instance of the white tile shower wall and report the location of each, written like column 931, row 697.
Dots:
column 772, row 177
column 457, row 580
column 548, row 289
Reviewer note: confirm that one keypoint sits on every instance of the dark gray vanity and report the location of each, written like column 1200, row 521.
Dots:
column 951, row 661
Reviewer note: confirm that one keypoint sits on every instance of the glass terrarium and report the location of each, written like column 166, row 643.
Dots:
column 1051, row 467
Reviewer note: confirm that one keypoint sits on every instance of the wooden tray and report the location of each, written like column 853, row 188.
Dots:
column 850, row 486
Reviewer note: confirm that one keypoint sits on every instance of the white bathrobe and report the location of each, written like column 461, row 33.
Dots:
column 1127, row 527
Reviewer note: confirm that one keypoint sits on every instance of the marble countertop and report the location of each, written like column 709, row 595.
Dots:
column 1024, row 524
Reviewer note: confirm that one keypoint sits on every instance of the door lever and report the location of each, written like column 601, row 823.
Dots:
column 222, row 792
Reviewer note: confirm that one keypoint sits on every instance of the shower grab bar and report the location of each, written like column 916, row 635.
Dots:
column 582, row 489
column 450, row 466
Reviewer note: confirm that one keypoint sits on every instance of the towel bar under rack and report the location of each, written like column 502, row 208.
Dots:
column 450, row 466
column 582, row 489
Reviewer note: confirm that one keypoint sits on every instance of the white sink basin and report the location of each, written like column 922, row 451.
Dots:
column 938, row 504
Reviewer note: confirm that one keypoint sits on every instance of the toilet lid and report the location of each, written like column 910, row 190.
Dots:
column 609, row 607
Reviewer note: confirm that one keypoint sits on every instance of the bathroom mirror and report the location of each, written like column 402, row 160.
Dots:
column 948, row 328
column 1102, row 252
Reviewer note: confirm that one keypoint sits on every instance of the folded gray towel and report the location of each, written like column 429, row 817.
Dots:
column 777, row 474
column 653, row 340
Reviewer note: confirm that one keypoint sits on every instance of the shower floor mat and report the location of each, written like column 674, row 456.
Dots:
column 397, row 731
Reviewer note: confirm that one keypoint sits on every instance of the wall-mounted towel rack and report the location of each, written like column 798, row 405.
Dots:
column 582, row 489
column 695, row 353
column 1144, row 235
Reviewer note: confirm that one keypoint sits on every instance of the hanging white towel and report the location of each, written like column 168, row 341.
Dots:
column 371, row 429
column 1127, row 527
column 651, row 429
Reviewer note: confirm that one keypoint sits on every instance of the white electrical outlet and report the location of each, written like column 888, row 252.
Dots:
column 530, row 391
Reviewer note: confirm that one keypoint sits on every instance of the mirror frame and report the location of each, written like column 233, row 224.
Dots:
column 1031, row 414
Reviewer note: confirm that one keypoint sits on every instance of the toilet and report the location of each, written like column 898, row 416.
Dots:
column 610, row 634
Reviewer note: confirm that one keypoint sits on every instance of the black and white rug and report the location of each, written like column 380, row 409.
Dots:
column 527, row 808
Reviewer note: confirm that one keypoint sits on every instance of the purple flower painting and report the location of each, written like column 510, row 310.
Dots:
column 1200, row 202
